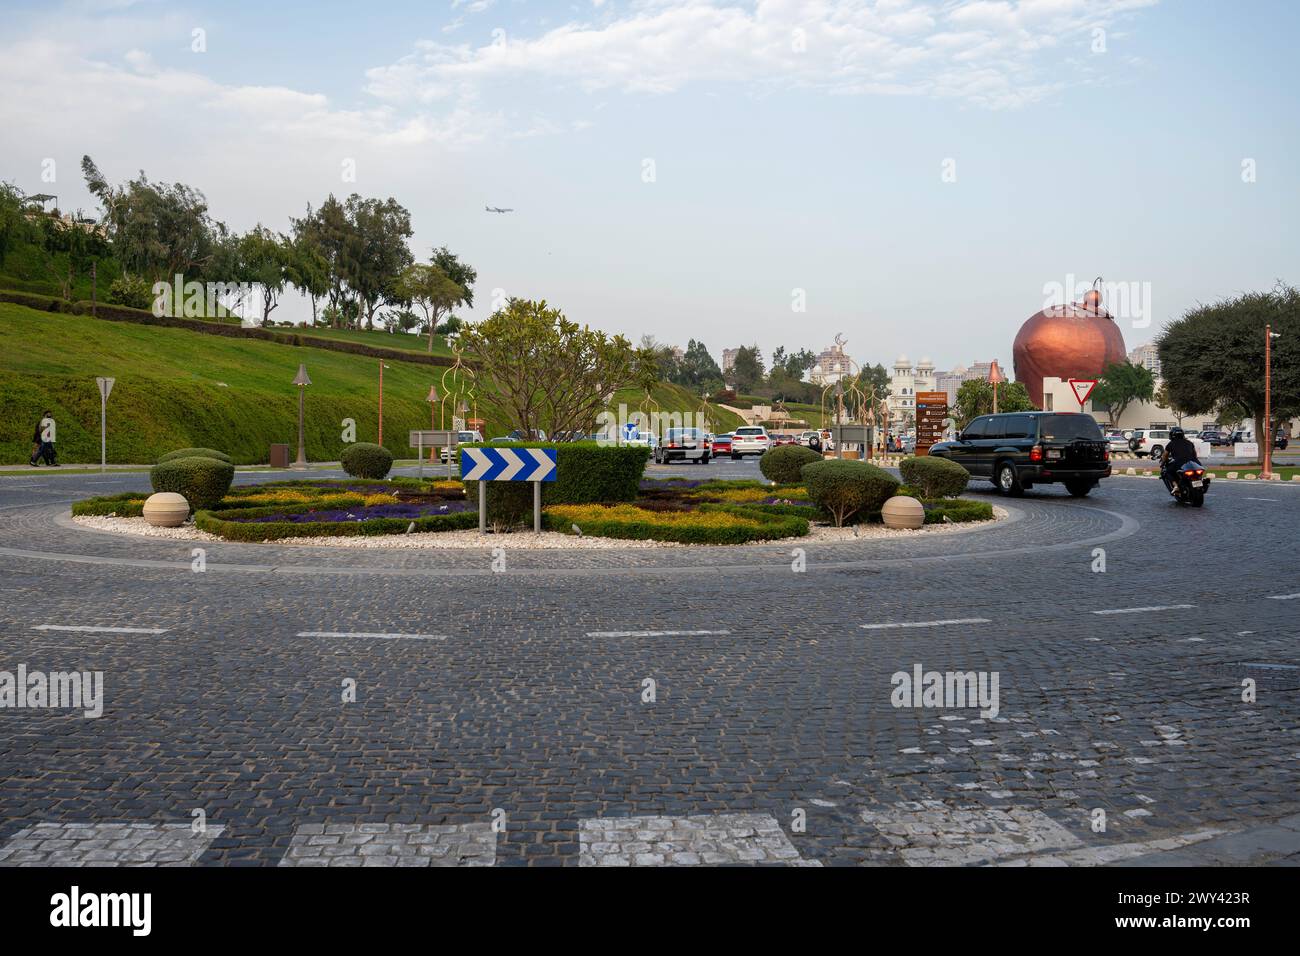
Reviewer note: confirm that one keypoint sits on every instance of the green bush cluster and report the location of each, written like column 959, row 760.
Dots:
column 196, row 453
column 131, row 291
column 848, row 490
column 586, row 473
column 218, row 523
column 934, row 477
column 202, row 481
column 784, row 463
column 367, row 460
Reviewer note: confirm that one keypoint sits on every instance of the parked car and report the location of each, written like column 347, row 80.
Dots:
column 749, row 440
column 1149, row 442
column 721, row 445
column 644, row 439
column 463, row 438
column 1117, row 440
column 1021, row 449
column 803, row 438
column 1216, row 438
column 780, row 438
column 683, row 444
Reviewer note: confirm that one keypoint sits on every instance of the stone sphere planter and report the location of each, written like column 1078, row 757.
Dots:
column 166, row 509
column 901, row 511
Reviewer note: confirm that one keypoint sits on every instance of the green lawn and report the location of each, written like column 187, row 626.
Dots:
column 177, row 388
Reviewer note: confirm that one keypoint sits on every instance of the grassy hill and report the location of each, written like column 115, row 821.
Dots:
column 178, row 388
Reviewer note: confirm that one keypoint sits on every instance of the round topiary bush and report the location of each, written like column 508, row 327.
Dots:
column 195, row 453
column 848, row 490
column 367, row 460
column 784, row 463
column 203, row 481
column 934, row 477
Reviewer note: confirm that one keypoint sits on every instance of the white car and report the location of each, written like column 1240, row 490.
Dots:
column 462, row 438
column 1149, row 442
column 749, row 440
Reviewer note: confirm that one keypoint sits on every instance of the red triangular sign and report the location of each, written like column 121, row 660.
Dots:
column 1082, row 388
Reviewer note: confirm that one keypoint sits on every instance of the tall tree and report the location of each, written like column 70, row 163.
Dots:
column 697, row 370
column 378, row 253
column 975, row 398
column 432, row 290
column 1213, row 357
column 1121, row 384
column 158, row 230
column 266, row 259
column 308, row 268
column 551, row 373
column 747, row 370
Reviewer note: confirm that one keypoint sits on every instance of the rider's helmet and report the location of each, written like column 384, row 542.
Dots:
column 1175, row 432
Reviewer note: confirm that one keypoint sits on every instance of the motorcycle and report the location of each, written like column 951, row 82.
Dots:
column 1189, row 484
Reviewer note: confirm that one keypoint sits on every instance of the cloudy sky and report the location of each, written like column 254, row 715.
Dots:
column 919, row 174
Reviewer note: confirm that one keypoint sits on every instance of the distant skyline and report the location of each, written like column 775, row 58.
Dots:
column 917, row 173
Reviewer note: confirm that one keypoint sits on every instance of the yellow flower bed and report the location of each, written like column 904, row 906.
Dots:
column 715, row 524
column 380, row 499
column 713, row 519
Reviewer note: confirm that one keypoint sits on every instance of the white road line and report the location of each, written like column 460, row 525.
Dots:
column 955, row 620
column 100, row 630
column 379, row 634
column 1283, row 597
column 653, row 633
column 1261, row 499
column 1139, row 610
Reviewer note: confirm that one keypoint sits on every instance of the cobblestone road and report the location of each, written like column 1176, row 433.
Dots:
column 558, row 724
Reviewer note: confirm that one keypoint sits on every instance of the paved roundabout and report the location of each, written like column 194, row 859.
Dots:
column 683, row 705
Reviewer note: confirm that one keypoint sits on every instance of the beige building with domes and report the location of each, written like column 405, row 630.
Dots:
column 904, row 383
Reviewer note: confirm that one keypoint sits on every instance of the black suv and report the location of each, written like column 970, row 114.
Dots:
column 1021, row 449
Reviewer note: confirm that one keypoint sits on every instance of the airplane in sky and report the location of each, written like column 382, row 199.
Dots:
column 496, row 209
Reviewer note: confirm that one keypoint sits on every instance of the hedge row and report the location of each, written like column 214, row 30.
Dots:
column 120, row 313
column 710, row 524
column 957, row 510
column 218, row 523
column 128, row 504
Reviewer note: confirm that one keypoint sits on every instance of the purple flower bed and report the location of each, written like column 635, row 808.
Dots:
column 409, row 511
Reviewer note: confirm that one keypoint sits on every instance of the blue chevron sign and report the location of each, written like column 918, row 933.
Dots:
column 507, row 464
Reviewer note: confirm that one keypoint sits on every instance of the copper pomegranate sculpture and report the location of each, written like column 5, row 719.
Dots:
column 1066, row 341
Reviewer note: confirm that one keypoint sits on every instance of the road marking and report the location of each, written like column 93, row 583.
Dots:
column 1283, row 597
column 1139, row 610
column 100, row 630
column 391, row 844
column 107, row 844
column 379, row 634
column 1261, row 499
column 728, row 839
column 955, row 620
column 653, row 633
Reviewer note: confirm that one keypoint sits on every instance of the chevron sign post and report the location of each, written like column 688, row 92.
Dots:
column 508, row 464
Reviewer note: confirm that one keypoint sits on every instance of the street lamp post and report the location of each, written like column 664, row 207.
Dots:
column 302, row 381
column 381, row 401
column 433, row 403
column 839, row 417
column 1269, row 336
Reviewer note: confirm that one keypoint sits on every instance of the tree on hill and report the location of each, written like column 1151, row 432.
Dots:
column 1213, row 357
column 697, row 370
column 1121, row 384
column 308, row 269
column 266, row 257
column 747, row 370
column 378, row 252
column 550, row 373
column 158, row 230
column 432, row 290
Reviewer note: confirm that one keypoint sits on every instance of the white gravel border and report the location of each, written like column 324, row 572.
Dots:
column 545, row 540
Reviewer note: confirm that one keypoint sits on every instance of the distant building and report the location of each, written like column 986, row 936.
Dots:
column 950, row 382
column 904, row 383
column 833, row 364
column 1148, row 356
column 729, row 360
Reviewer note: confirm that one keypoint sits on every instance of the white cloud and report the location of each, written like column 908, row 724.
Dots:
column 991, row 53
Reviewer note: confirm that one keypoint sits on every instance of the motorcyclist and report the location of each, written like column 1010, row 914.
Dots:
column 1178, row 452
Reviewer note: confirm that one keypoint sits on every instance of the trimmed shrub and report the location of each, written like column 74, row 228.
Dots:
column 195, row 453
column 846, row 489
column 586, row 473
column 128, row 504
column 957, row 510
column 784, row 463
column 710, row 524
column 203, row 481
column 367, row 460
column 132, row 292
column 934, row 477
column 218, row 523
